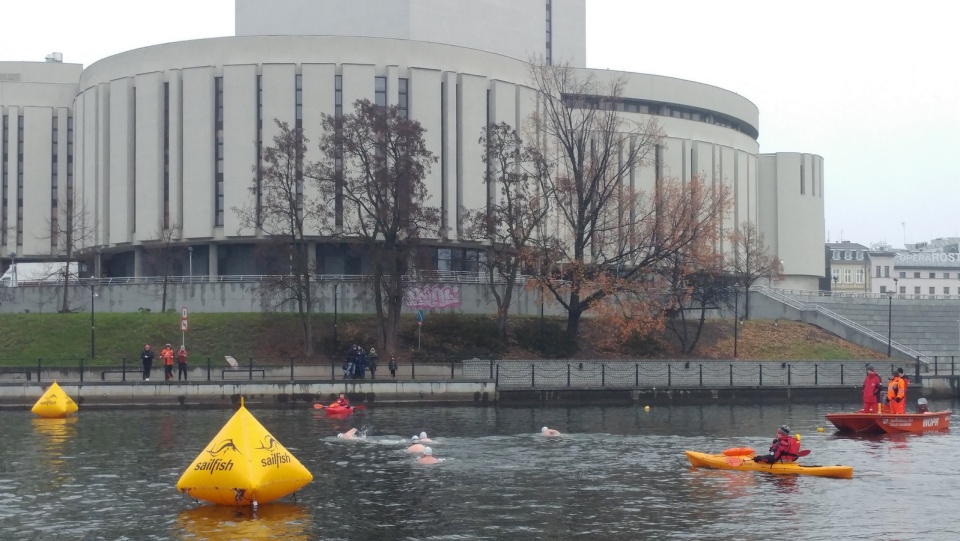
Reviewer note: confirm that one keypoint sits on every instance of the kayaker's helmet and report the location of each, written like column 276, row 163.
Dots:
column 415, row 439
column 785, row 430
column 542, row 430
column 423, row 435
column 427, row 451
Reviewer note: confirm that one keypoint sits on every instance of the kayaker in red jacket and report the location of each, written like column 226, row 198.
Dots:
column 872, row 387
column 785, row 448
column 342, row 401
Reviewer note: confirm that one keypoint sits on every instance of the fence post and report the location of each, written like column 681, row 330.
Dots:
column 841, row 374
column 38, row 369
column 533, row 376
column 491, row 368
column 816, row 375
column 636, row 368
column 208, row 368
column 123, row 364
column 761, row 374
column 936, row 361
column 701, row 374
column 669, row 375
column 250, row 368
column 603, row 375
column 731, row 374
column 496, row 382
column 333, row 369
column 917, row 370
column 291, row 368
column 81, row 369
column 451, row 370
column 568, row 374
column 413, row 369
column 788, row 375
column 951, row 368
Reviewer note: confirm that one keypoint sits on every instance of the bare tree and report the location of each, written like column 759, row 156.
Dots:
column 609, row 234
column 507, row 225
column 697, row 283
column 71, row 229
column 750, row 260
column 281, row 210
column 165, row 259
column 374, row 164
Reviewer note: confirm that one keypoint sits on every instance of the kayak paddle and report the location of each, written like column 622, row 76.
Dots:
column 739, row 460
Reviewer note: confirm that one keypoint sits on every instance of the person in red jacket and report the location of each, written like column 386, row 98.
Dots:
column 785, row 448
column 897, row 394
column 872, row 388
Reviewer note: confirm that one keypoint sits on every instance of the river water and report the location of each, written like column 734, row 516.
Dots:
column 617, row 472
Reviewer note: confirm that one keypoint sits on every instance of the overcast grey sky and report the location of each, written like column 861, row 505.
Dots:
column 869, row 85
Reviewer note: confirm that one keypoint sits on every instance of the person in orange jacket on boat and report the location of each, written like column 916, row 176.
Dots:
column 785, row 448
column 897, row 394
column 872, row 388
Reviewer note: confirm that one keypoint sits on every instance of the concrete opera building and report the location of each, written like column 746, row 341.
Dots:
column 164, row 137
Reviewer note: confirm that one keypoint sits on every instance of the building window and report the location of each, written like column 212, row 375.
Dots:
column 933, row 291
column 54, row 188
column 946, row 275
column 883, row 289
column 848, row 255
column 903, row 274
column 19, row 180
column 847, row 276
column 259, row 113
column 338, row 153
column 946, row 291
column 933, row 275
column 166, row 155
column 886, row 271
column 218, row 158
column 3, row 183
column 916, row 290
column 338, row 95
column 380, row 91
column 549, row 53
column 70, row 172
column 916, row 275
column 403, row 97
column 860, row 276
column 836, row 275
column 878, row 271
column 903, row 290
column 298, row 99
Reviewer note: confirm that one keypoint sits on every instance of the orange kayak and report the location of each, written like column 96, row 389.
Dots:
column 746, row 463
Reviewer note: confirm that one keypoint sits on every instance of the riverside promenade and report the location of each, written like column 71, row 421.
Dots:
column 476, row 381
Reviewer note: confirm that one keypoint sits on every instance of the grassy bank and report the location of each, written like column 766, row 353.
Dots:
column 24, row 338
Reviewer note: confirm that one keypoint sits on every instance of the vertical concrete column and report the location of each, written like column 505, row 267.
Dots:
column 312, row 255
column 212, row 260
column 138, row 257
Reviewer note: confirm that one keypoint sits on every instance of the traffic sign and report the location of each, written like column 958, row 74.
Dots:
column 183, row 325
column 183, row 313
column 420, row 316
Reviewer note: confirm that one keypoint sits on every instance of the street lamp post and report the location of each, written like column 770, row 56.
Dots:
column 93, row 327
column 336, row 340
column 736, row 318
column 190, row 253
column 890, row 295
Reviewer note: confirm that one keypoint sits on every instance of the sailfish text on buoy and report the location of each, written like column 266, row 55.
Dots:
column 54, row 403
column 243, row 465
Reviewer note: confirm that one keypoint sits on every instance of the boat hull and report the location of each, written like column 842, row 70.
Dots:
column 746, row 463
column 890, row 423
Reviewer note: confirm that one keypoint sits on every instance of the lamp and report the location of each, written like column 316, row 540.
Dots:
column 93, row 333
column 336, row 340
column 190, row 252
column 890, row 295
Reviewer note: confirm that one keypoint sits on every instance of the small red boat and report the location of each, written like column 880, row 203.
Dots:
column 890, row 423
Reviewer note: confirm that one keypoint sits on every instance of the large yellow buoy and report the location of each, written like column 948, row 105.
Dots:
column 54, row 403
column 243, row 465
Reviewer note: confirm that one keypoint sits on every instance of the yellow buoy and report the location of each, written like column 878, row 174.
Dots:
column 646, row 408
column 54, row 403
column 819, row 429
column 243, row 465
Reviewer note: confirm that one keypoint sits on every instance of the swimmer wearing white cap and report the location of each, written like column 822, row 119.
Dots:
column 424, row 439
column 427, row 457
column 549, row 432
column 415, row 445
column 348, row 435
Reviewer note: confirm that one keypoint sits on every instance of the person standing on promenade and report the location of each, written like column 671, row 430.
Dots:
column 372, row 363
column 872, row 388
column 897, row 394
column 146, row 357
column 182, row 364
column 393, row 367
column 166, row 356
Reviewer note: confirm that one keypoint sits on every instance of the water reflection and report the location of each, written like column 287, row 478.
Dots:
column 272, row 521
column 54, row 434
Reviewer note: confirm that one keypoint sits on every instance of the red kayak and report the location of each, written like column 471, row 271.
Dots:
column 337, row 409
column 890, row 423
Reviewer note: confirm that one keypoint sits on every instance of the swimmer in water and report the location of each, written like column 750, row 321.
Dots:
column 424, row 439
column 549, row 432
column 415, row 445
column 427, row 457
column 349, row 434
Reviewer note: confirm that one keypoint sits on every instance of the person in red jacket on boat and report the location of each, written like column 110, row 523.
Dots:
column 342, row 401
column 785, row 448
column 897, row 394
column 872, row 388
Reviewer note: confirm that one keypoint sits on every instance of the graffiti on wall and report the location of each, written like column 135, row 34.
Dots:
column 433, row 296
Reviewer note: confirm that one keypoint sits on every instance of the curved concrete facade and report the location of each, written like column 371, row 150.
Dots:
column 165, row 140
